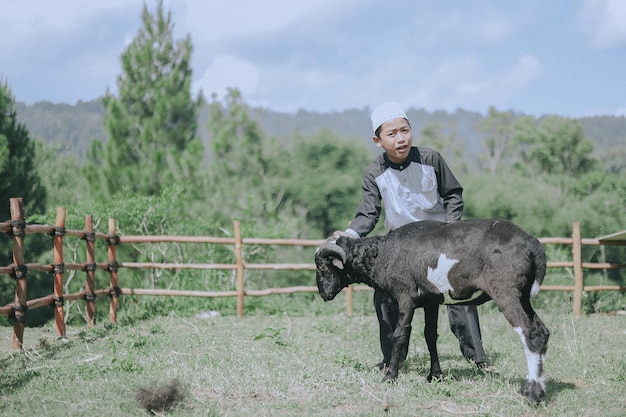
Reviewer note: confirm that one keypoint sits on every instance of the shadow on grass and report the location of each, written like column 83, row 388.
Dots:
column 13, row 374
column 421, row 364
column 17, row 369
column 554, row 388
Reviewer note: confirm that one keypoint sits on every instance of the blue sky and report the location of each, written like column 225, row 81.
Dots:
column 535, row 57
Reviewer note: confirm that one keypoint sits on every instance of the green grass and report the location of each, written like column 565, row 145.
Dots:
column 317, row 364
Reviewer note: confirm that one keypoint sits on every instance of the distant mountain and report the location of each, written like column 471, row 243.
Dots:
column 75, row 126
column 72, row 126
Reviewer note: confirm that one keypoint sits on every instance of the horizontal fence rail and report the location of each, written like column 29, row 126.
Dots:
column 18, row 229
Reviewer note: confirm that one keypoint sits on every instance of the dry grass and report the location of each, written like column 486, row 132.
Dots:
column 319, row 365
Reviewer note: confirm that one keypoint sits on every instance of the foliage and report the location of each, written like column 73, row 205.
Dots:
column 484, row 197
column 151, row 127
column 59, row 172
column 326, row 180
column 248, row 171
column 541, row 207
column 556, row 146
column 19, row 177
column 433, row 136
column 497, row 147
column 18, row 174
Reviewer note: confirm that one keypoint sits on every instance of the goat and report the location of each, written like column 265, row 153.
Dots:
column 427, row 263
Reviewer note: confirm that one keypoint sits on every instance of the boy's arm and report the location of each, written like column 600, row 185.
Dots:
column 368, row 212
column 450, row 191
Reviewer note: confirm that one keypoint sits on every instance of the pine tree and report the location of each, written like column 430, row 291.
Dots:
column 151, row 126
column 246, row 174
column 18, row 176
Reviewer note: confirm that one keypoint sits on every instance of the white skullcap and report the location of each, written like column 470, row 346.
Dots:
column 385, row 112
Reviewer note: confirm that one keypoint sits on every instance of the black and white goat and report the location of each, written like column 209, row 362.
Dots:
column 428, row 263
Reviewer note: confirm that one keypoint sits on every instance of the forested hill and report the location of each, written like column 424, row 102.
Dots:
column 75, row 126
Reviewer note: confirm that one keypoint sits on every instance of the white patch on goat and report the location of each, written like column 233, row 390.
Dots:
column 534, row 361
column 535, row 289
column 439, row 275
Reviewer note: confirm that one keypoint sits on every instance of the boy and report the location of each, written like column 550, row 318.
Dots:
column 415, row 184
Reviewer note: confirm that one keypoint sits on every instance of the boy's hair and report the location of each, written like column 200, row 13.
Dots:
column 377, row 132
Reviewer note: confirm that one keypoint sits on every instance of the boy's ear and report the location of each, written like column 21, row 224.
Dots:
column 376, row 140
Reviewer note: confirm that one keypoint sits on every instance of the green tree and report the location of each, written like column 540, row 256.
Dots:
column 555, row 146
column 500, row 130
column 432, row 136
column 151, row 127
column 247, row 169
column 327, row 179
column 18, row 174
column 19, row 177
column 58, row 170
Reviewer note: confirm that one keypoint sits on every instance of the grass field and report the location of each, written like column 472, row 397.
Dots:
column 307, row 365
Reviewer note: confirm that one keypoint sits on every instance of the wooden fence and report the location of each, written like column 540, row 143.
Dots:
column 18, row 229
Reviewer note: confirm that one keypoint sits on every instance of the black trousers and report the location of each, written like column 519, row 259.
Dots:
column 463, row 323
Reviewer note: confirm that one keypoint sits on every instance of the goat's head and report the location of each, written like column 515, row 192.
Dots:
column 331, row 277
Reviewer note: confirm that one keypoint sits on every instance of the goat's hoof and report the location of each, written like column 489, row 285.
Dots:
column 485, row 367
column 533, row 391
column 382, row 365
column 438, row 377
column 390, row 377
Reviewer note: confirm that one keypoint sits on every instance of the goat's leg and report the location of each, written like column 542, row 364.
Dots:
column 431, row 316
column 534, row 336
column 400, row 340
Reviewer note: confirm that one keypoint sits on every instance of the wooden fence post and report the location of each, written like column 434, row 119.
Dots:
column 20, row 272
column 58, row 269
column 240, row 268
column 349, row 293
column 578, row 269
column 90, row 267
column 113, row 242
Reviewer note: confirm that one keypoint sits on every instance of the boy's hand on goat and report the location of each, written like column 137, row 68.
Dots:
column 338, row 233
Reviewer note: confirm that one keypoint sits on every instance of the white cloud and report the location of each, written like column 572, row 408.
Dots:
column 471, row 25
column 462, row 82
column 228, row 72
column 604, row 21
column 495, row 28
column 524, row 71
column 34, row 18
column 211, row 20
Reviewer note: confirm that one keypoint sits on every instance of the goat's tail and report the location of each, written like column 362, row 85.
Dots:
column 538, row 257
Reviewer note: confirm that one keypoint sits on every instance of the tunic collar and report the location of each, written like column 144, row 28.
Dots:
column 413, row 156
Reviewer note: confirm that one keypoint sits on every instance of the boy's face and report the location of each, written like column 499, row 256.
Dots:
column 396, row 139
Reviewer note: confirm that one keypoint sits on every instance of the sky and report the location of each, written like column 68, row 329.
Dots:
column 536, row 57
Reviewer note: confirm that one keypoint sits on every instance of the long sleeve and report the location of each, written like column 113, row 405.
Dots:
column 368, row 211
column 450, row 190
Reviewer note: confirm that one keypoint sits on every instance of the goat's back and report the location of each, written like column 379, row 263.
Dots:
column 468, row 250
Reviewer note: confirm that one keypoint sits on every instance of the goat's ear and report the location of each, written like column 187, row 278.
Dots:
column 337, row 262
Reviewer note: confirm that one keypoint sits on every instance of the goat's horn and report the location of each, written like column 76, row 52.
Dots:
column 331, row 248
